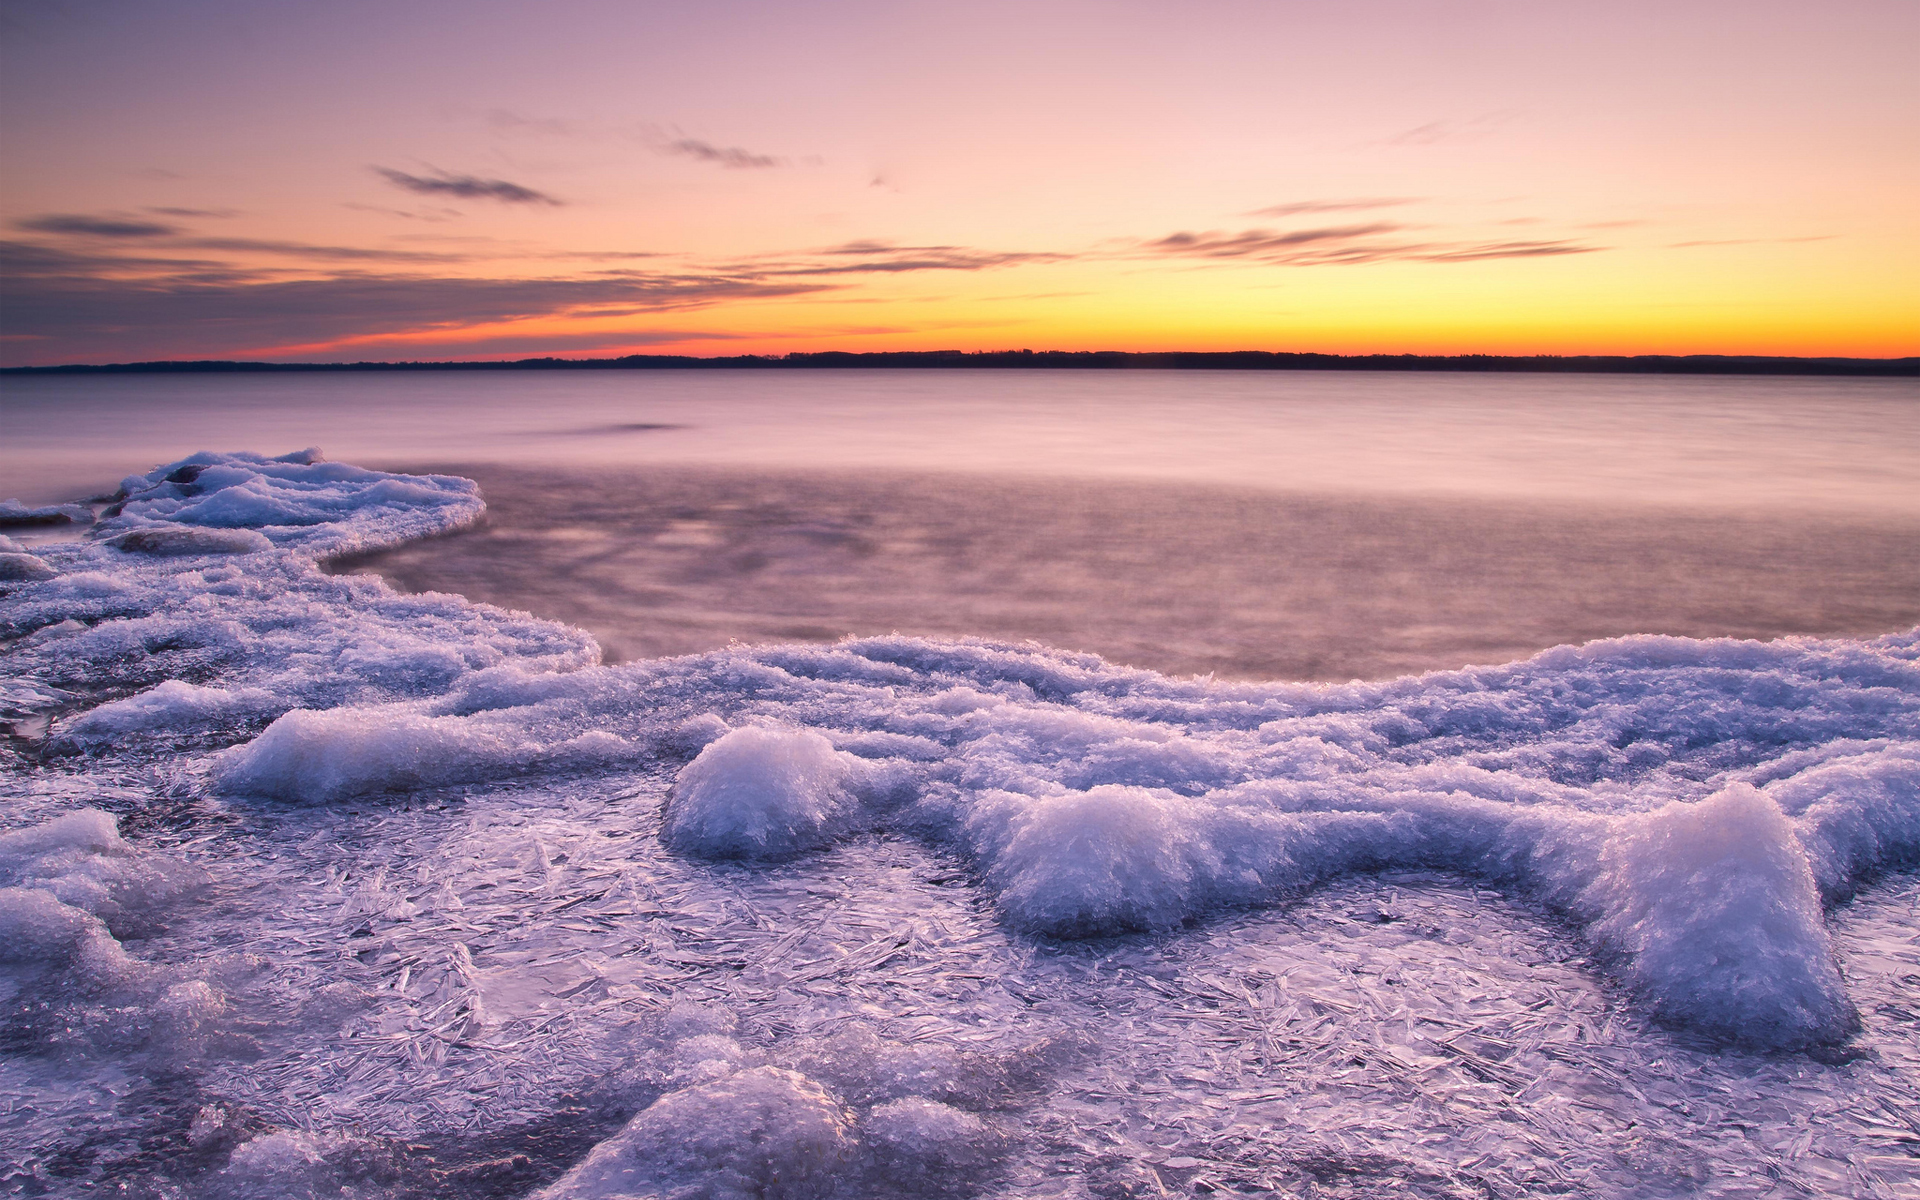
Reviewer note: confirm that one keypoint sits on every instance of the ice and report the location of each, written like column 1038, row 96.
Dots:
column 296, row 500
column 762, row 793
column 917, row 914
column 1715, row 906
column 917, row 1137
column 764, row 1132
column 18, row 567
column 172, row 704
column 14, row 513
column 168, row 543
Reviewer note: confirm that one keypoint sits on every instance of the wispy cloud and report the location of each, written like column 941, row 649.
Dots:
column 311, row 251
column 871, row 247
column 1376, row 241
column 1262, row 242
column 726, row 156
column 83, row 225
column 465, row 187
column 218, row 213
column 1435, row 133
column 1303, row 207
column 510, row 123
column 884, row 258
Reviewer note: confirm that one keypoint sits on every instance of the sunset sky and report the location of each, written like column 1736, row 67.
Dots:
column 430, row 180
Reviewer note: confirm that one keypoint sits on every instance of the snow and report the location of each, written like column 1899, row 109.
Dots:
column 760, row 1132
column 803, row 918
column 761, row 793
column 296, row 501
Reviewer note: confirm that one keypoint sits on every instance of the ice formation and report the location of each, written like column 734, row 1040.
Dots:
column 1689, row 809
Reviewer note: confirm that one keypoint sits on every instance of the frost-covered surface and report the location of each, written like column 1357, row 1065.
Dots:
column 409, row 898
column 296, row 501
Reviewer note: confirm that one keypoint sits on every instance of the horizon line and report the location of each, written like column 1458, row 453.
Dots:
column 1675, row 364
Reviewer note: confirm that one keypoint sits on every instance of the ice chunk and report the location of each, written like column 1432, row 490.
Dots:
column 323, row 756
column 296, row 501
column 172, row 704
column 764, row 1132
column 1098, row 861
column 24, row 568
column 14, row 513
column 181, row 540
column 918, row 1138
column 288, row 1165
column 761, row 793
column 36, row 928
column 1716, row 905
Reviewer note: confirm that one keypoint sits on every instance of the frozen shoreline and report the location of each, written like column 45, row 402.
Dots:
column 1684, row 807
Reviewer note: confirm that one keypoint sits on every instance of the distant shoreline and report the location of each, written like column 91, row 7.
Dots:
column 1185, row 360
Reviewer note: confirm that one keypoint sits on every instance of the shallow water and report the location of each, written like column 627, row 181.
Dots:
column 1179, row 578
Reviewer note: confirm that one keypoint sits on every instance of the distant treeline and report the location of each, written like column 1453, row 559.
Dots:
column 1090, row 360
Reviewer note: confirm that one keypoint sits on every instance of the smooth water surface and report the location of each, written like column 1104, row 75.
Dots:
column 1841, row 445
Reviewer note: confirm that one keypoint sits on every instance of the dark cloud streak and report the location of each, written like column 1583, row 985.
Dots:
column 85, row 226
column 1349, row 245
column 466, row 187
column 727, row 156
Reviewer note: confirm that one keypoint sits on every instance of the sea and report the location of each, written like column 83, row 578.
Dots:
column 856, row 783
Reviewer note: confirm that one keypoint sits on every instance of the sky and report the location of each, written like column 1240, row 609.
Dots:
column 283, row 180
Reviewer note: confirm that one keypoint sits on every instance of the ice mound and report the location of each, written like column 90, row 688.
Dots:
column 80, row 860
column 164, row 541
column 69, row 887
column 38, row 929
column 16, row 515
column 761, row 793
column 289, row 1164
column 173, row 704
column 917, row 1138
column 19, row 567
column 322, row 756
column 764, row 1132
column 1714, row 904
column 296, row 501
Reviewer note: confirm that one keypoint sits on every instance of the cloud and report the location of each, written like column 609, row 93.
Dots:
column 726, row 156
column 86, row 226
column 871, row 247
column 195, row 212
column 167, row 237
column 308, row 250
column 1348, row 245
column 941, row 258
column 465, row 187
column 434, row 215
column 1434, row 133
column 505, row 121
column 67, row 307
column 1301, row 207
column 1262, row 242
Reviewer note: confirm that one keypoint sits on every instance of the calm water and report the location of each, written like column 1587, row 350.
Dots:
column 1280, row 525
